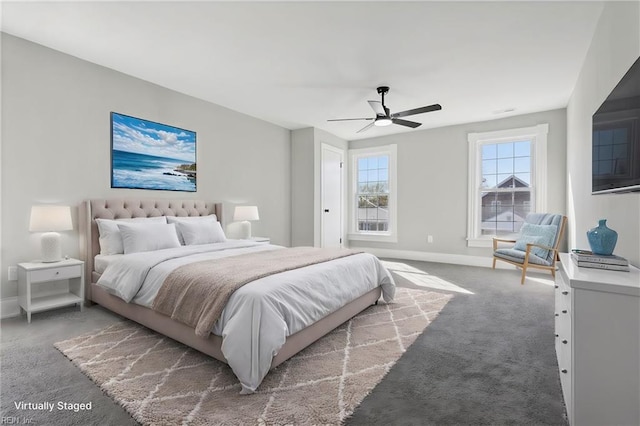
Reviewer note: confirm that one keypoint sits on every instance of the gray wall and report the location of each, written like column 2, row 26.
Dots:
column 302, row 187
column 305, row 183
column 56, row 146
column 433, row 181
column 615, row 46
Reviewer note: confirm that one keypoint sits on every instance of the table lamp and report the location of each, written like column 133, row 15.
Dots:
column 50, row 219
column 244, row 214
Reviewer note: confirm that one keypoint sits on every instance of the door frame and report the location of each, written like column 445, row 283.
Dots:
column 326, row 147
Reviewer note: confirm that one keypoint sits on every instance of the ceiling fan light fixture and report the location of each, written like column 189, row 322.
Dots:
column 383, row 121
column 384, row 117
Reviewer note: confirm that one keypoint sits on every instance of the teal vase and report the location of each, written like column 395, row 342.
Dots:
column 602, row 239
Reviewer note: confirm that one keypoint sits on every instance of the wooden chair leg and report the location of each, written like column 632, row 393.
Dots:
column 494, row 263
column 524, row 271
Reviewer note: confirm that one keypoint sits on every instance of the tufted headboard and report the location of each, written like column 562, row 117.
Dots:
column 128, row 208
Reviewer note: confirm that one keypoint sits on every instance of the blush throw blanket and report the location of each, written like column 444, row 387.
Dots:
column 196, row 294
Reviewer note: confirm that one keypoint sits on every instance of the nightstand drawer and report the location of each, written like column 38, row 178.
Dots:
column 52, row 274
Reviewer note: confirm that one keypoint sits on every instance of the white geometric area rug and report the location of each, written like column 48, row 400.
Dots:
column 160, row 381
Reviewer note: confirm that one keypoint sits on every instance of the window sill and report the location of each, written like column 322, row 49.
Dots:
column 488, row 241
column 383, row 238
column 480, row 242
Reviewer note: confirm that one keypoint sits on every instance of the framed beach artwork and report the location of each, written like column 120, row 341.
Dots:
column 149, row 155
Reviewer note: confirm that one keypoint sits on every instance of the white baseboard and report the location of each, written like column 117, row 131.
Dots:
column 456, row 259
column 9, row 307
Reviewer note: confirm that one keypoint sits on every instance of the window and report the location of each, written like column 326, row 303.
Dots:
column 373, row 194
column 507, row 180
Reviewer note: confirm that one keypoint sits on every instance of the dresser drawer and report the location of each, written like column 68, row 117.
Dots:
column 52, row 274
column 563, row 295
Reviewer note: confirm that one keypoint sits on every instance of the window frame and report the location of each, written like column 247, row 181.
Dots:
column 391, row 235
column 538, row 137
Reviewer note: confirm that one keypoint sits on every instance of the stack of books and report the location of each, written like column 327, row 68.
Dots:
column 587, row 259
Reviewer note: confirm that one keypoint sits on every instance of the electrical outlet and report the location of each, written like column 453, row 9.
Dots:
column 13, row 273
column 429, row 238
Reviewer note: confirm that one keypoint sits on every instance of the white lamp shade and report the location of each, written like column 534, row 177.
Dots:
column 246, row 213
column 47, row 218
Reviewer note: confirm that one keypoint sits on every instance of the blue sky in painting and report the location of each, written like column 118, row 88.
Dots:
column 132, row 134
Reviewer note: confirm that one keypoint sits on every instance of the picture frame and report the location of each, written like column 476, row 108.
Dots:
column 150, row 155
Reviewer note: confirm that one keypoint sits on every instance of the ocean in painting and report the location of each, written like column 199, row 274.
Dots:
column 131, row 170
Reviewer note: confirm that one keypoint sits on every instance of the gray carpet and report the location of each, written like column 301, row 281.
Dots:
column 489, row 358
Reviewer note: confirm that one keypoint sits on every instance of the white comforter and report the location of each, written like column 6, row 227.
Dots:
column 260, row 315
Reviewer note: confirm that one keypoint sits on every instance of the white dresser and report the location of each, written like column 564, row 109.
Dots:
column 597, row 331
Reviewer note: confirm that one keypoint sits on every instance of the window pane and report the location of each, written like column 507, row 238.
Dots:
column 504, row 212
column 362, row 164
column 522, row 164
column 489, row 152
column 505, row 165
column 505, row 150
column 522, row 149
column 505, row 180
column 489, row 181
column 372, row 175
column 489, row 166
column 373, row 163
column 362, row 176
column 521, row 205
column 383, row 174
column 383, row 162
column 524, row 178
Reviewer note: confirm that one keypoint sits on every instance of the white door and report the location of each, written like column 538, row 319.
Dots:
column 331, row 194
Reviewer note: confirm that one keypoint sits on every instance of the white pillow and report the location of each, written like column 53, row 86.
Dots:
column 110, row 238
column 201, row 232
column 190, row 219
column 137, row 237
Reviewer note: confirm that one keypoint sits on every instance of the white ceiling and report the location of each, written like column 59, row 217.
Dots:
column 297, row 64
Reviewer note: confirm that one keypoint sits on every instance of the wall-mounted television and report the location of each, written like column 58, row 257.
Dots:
column 615, row 157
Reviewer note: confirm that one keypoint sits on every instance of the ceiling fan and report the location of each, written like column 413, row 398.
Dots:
column 384, row 117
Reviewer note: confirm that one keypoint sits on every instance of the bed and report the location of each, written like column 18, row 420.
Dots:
column 250, row 366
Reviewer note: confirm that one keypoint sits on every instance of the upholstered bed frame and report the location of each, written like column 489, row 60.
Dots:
column 128, row 208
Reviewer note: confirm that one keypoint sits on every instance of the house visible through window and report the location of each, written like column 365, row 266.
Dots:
column 373, row 193
column 506, row 186
column 507, row 181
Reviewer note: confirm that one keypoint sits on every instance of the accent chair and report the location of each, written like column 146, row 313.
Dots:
column 536, row 246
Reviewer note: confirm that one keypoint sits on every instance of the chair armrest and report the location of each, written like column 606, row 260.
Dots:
column 554, row 250
column 502, row 240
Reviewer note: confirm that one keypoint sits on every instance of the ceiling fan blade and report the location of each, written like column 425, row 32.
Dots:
column 378, row 108
column 367, row 127
column 349, row 119
column 434, row 107
column 407, row 123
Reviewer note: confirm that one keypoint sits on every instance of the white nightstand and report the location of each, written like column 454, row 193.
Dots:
column 36, row 291
column 265, row 240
